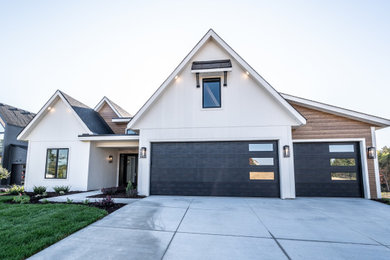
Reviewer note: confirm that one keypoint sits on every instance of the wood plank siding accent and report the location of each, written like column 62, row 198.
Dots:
column 108, row 114
column 321, row 125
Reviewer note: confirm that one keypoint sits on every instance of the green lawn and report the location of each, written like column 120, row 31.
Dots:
column 28, row 228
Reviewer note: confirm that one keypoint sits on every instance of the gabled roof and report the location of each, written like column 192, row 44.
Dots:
column 91, row 121
column 212, row 35
column 370, row 119
column 15, row 116
column 89, row 116
column 119, row 111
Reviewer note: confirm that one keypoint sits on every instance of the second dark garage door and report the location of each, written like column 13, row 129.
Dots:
column 327, row 170
column 215, row 169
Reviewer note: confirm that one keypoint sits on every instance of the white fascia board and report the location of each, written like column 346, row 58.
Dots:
column 121, row 120
column 109, row 138
column 44, row 110
column 211, row 70
column 338, row 111
column 211, row 34
column 106, row 100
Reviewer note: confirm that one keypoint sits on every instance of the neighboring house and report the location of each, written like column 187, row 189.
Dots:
column 215, row 127
column 13, row 152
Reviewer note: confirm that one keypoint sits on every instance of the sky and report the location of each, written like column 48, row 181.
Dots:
column 333, row 51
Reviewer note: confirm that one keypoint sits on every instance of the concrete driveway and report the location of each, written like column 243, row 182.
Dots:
column 161, row 227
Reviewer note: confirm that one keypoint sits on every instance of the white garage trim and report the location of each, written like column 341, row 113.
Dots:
column 376, row 166
column 363, row 157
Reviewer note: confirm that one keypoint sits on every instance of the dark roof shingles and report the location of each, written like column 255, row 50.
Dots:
column 15, row 116
column 90, row 117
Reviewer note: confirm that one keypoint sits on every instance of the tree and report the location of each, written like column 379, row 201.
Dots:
column 4, row 173
column 384, row 166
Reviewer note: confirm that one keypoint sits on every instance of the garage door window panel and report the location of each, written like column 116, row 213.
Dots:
column 343, row 176
column 341, row 148
column 342, row 162
column 261, row 147
column 261, row 161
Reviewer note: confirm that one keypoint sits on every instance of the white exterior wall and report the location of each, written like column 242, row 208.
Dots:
column 248, row 112
column 59, row 128
column 102, row 174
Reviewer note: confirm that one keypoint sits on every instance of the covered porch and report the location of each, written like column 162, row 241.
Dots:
column 113, row 160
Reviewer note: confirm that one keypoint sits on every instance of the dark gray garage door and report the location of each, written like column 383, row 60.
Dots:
column 215, row 169
column 327, row 170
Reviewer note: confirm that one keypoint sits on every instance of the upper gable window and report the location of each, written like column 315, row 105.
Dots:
column 212, row 93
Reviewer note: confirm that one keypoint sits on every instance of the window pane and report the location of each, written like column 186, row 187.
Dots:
column 342, row 162
column 51, row 163
column 211, row 93
column 62, row 163
column 1, row 143
column 343, row 176
column 261, row 161
column 261, row 175
column 131, row 132
column 341, row 148
column 261, row 147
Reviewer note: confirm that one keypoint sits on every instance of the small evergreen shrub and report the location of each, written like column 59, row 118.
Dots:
column 39, row 190
column 131, row 191
column 69, row 201
column 65, row 189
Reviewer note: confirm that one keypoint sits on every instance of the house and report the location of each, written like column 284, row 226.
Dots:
column 13, row 152
column 215, row 127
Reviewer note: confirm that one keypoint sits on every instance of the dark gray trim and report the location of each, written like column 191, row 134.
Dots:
column 211, row 64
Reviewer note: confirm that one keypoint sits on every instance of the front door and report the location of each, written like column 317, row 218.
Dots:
column 128, row 169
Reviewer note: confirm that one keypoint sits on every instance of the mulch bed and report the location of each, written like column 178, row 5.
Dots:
column 35, row 200
column 117, row 195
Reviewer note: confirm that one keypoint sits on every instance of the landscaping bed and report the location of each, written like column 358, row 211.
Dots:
column 118, row 192
column 118, row 195
column 383, row 200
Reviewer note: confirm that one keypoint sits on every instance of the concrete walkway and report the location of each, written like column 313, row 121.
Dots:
column 81, row 197
column 160, row 227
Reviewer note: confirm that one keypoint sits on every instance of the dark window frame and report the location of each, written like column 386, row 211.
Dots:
column 220, row 91
column 56, row 170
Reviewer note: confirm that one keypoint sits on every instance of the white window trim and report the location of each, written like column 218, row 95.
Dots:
column 363, row 157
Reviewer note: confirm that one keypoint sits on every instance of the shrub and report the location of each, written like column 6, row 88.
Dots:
column 86, row 201
column 69, row 201
column 45, row 201
column 109, row 191
column 4, row 173
column 21, row 199
column 61, row 192
column 65, row 189
column 106, row 202
column 39, row 190
column 15, row 190
column 131, row 191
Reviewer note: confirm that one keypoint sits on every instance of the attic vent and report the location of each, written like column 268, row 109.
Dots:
column 1, row 104
column 25, row 113
column 211, row 66
column 12, row 109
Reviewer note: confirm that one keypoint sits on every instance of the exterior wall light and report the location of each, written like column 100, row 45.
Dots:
column 286, row 151
column 176, row 77
column 110, row 159
column 371, row 153
column 142, row 153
